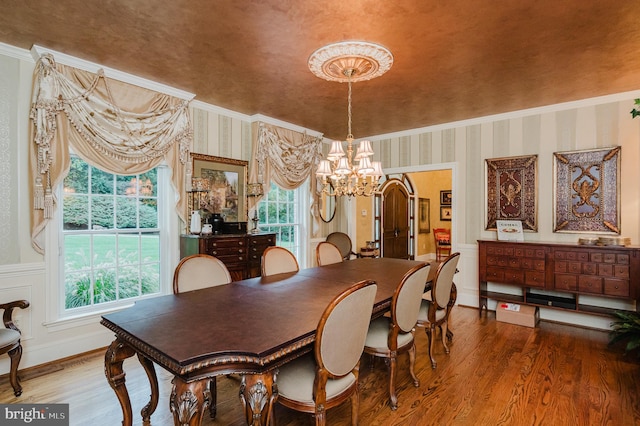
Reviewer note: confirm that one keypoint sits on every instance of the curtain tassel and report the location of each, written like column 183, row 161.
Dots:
column 48, row 204
column 38, row 195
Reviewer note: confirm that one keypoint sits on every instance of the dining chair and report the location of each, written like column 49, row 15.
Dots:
column 390, row 335
column 442, row 237
column 435, row 311
column 199, row 271
column 343, row 242
column 328, row 376
column 10, row 341
column 196, row 272
column 278, row 260
column 327, row 253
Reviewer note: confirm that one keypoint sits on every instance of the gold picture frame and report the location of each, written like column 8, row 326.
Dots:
column 512, row 191
column 587, row 191
column 226, row 189
column 424, row 225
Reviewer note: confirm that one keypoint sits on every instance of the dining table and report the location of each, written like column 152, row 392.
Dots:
column 249, row 327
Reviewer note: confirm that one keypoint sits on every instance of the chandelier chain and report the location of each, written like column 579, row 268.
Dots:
column 349, row 135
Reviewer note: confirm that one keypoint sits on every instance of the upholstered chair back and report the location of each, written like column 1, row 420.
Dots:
column 328, row 253
column 343, row 242
column 408, row 296
column 342, row 333
column 278, row 260
column 199, row 271
column 444, row 280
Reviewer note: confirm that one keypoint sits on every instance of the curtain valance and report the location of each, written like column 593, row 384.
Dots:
column 115, row 126
column 287, row 157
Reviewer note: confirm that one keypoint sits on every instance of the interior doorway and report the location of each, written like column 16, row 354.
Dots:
column 427, row 182
column 396, row 229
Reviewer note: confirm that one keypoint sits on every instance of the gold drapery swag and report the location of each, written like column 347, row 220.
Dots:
column 288, row 158
column 115, row 126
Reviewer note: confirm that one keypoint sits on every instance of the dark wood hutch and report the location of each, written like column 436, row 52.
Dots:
column 241, row 252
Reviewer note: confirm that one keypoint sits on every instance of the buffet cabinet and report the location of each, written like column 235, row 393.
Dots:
column 557, row 275
column 241, row 253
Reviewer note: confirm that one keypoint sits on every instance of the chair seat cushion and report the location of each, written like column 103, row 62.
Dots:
column 377, row 336
column 423, row 315
column 8, row 337
column 295, row 381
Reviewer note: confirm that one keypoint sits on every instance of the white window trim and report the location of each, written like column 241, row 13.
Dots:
column 168, row 223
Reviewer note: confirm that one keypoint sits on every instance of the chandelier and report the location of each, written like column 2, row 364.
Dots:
column 350, row 61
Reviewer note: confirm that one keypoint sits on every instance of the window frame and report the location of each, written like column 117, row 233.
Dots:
column 301, row 205
column 55, row 313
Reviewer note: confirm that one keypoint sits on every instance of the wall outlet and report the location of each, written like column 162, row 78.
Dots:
column 363, row 212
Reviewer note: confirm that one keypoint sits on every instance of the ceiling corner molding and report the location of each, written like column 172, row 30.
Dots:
column 62, row 58
column 15, row 52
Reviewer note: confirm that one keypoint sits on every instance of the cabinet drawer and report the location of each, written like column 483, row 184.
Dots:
column 613, row 287
column 534, row 278
column 589, row 268
column 219, row 243
column 622, row 259
column 227, row 251
column 605, row 270
column 590, row 284
column 233, row 260
column 609, row 258
column 566, row 282
column 513, row 262
column 621, row 271
column 262, row 240
column 574, row 267
column 561, row 266
column 513, row 276
column 495, row 274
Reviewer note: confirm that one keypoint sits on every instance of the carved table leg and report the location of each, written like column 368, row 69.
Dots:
column 117, row 352
column 258, row 393
column 189, row 401
column 148, row 409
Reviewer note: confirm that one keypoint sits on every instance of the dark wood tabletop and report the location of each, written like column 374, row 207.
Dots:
column 248, row 326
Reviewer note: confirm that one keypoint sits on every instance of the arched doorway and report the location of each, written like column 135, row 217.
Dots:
column 395, row 221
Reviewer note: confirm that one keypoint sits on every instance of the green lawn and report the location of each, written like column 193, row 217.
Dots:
column 104, row 245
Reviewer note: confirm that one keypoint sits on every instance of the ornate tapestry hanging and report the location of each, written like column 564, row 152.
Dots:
column 512, row 191
column 587, row 186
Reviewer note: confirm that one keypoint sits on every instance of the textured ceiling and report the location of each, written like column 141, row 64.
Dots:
column 453, row 59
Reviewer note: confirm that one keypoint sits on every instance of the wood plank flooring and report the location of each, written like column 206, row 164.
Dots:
column 496, row 374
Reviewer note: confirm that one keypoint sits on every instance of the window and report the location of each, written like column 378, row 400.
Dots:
column 110, row 237
column 279, row 212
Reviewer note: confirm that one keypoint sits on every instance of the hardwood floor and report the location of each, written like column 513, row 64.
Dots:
column 496, row 373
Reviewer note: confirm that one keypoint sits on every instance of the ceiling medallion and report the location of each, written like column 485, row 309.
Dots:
column 351, row 61
column 365, row 60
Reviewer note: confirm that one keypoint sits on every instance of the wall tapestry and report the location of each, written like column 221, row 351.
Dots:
column 512, row 191
column 587, row 186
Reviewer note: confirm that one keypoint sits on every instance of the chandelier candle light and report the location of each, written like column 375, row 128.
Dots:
column 350, row 61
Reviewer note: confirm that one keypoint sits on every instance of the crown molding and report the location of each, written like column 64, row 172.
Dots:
column 582, row 103
column 62, row 58
column 15, row 52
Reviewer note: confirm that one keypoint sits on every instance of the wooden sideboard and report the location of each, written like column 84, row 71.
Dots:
column 569, row 271
column 241, row 253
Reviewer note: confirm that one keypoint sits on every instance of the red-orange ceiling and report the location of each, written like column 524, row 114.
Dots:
column 453, row 59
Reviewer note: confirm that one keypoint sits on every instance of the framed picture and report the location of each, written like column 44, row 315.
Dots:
column 424, row 226
column 445, row 198
column 587, row 191
column 445, row 212
column 512, row 191
column 225, row 183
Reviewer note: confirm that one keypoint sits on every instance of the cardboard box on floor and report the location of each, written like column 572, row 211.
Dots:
column 515, row 313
